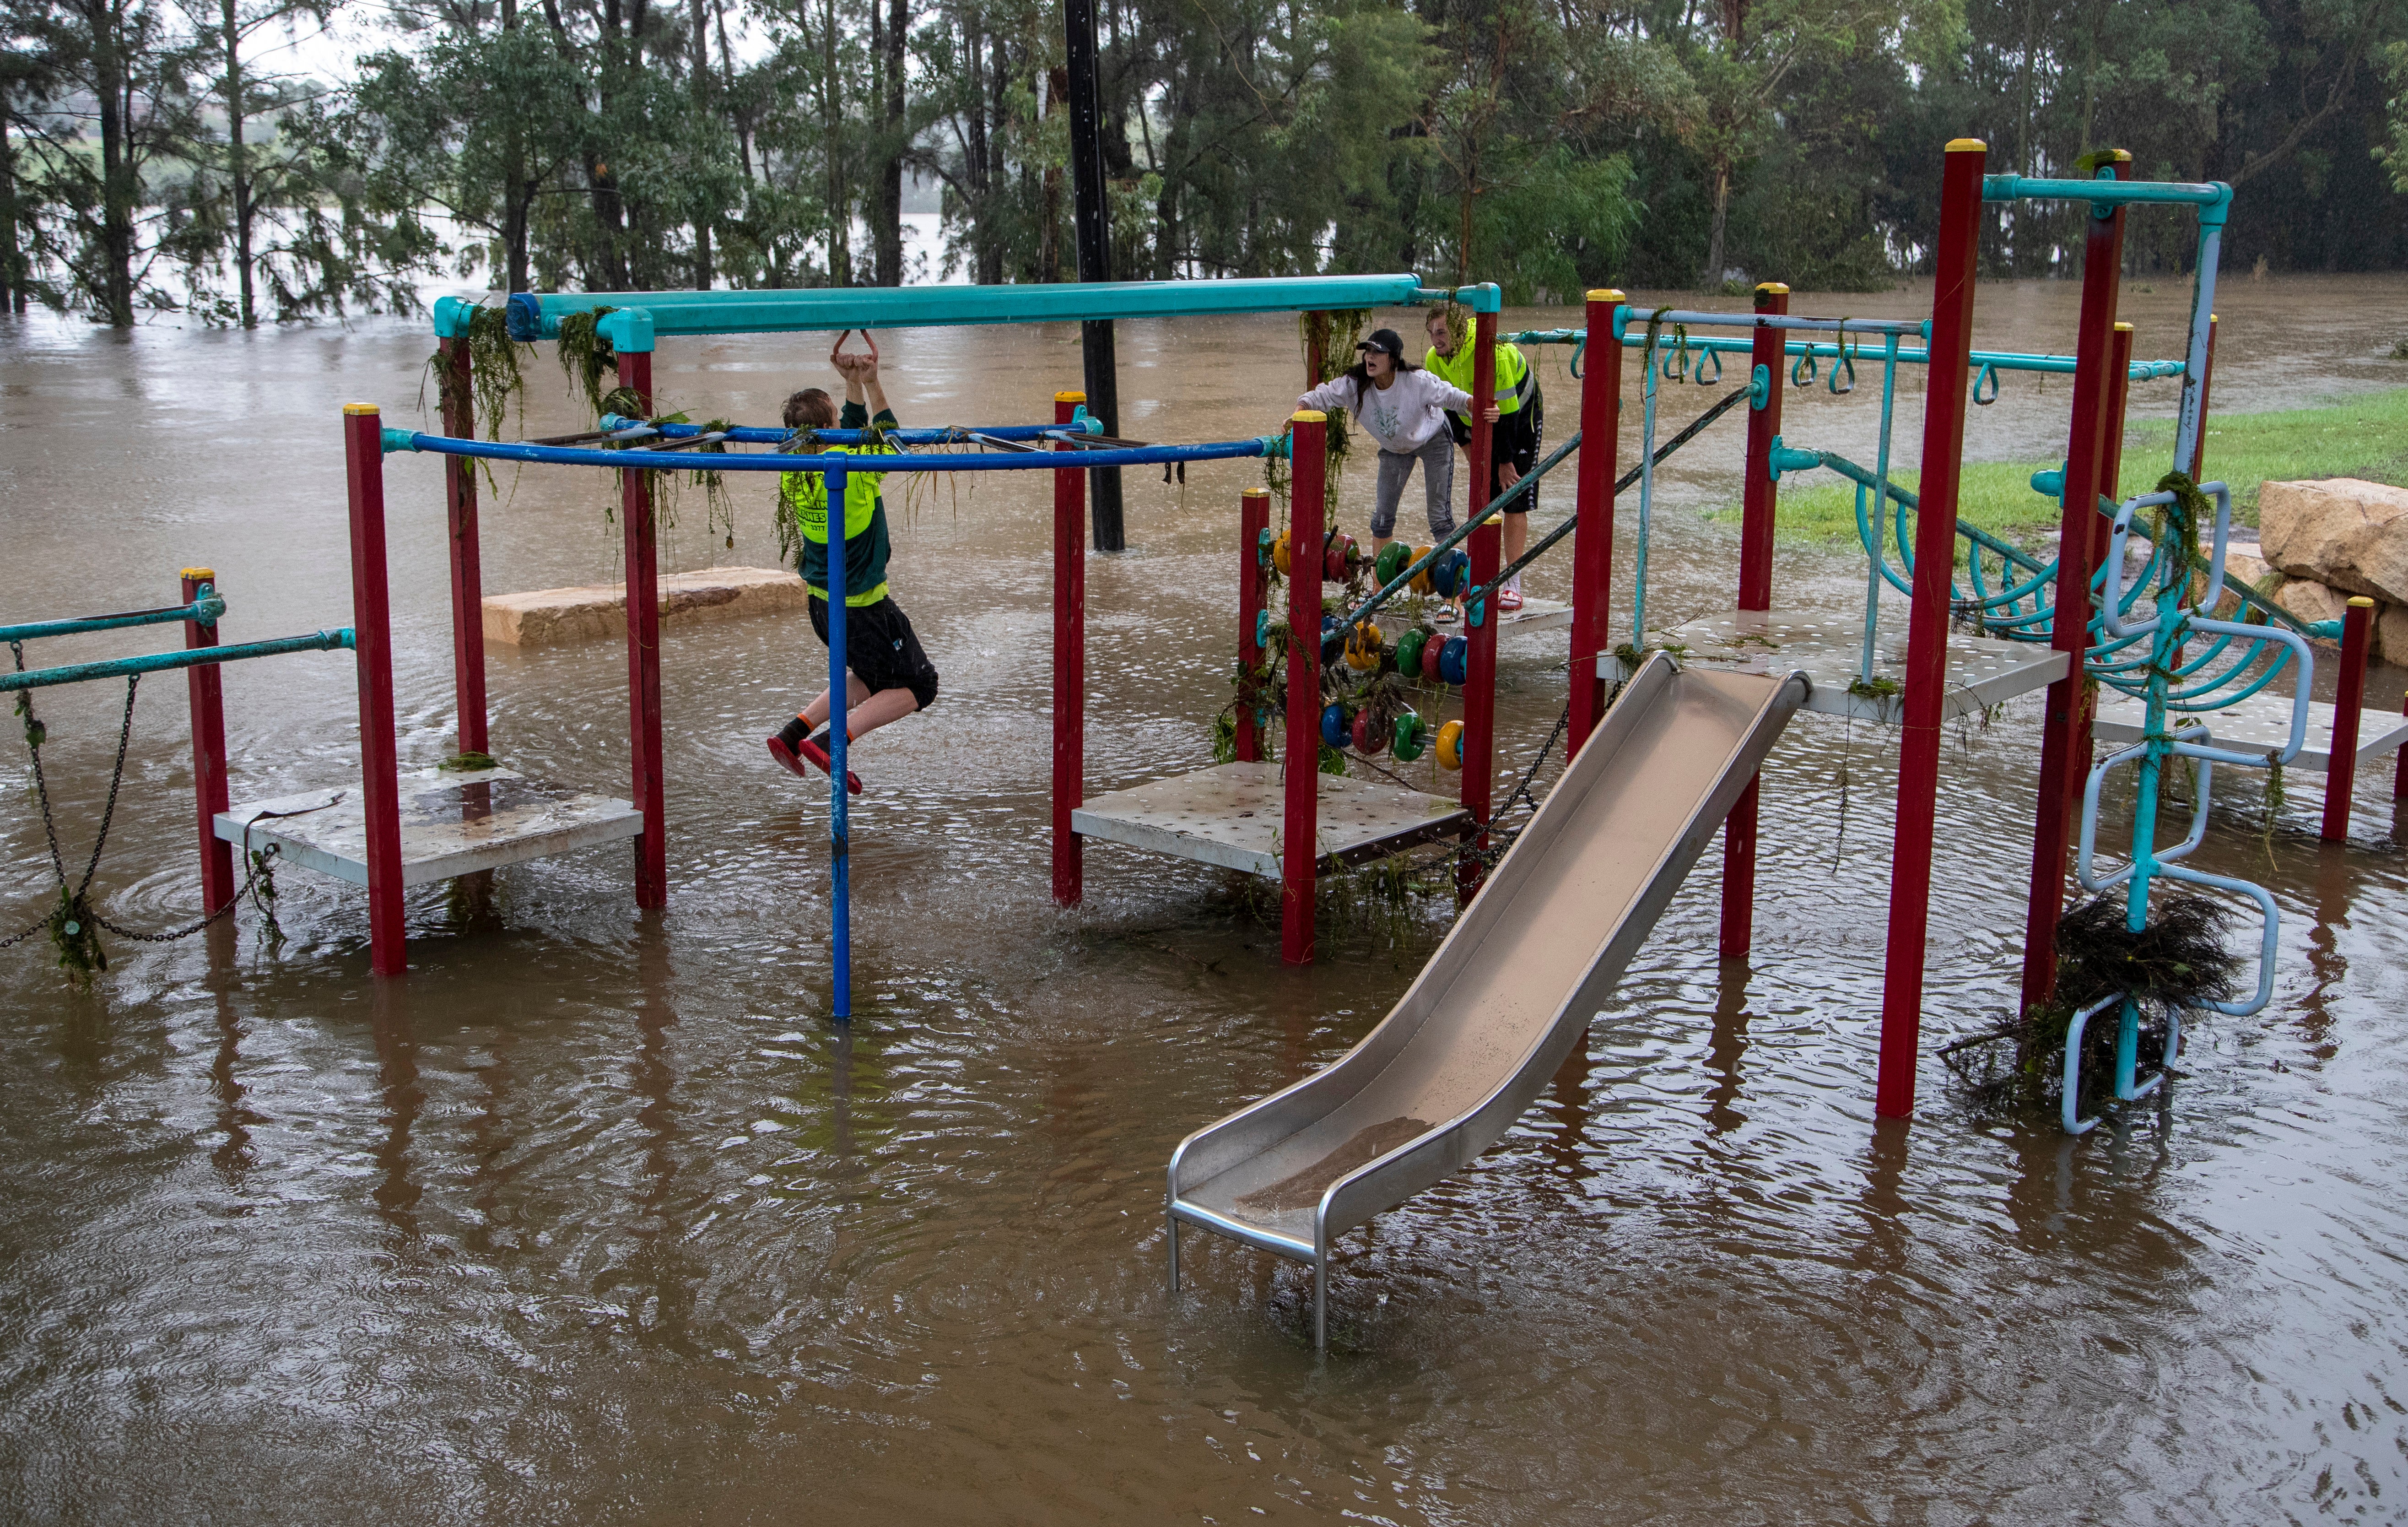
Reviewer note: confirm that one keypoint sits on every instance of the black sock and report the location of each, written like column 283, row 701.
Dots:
column 796, row 730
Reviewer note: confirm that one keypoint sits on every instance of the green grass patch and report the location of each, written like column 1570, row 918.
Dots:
column 2360, row 437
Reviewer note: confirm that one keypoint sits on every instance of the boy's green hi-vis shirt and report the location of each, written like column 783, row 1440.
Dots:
column 804, row 495
column 1515, row 380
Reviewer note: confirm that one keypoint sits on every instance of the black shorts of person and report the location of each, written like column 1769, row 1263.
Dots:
column 882, row 649
column 1515, row 438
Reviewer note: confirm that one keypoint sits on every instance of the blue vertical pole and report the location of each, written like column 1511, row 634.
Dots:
column 840, row 905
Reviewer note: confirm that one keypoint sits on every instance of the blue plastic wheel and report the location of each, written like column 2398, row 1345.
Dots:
column 1337, row 727
column 1453, row 660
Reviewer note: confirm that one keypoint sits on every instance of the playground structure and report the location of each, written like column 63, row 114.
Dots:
column 1302, row 823
column 1468, row 1045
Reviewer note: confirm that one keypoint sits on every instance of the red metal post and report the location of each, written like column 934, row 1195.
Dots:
column 1299, row 816
column 640, row 555
column 2349, row 697
column 1757, row 495
column 206, row 692
column 2061, row 775
column 1254, row 518
column 1480, row 641
column 467, row 571
column 1758, row 500
column 1927, row 649
column 1593, row 509
column 1070, row 663
column 1480, row 696
column 372, row 645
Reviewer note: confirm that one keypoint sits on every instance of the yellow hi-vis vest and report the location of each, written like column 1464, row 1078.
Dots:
column 1515, row 381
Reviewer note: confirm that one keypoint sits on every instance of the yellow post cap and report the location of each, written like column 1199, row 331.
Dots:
column 1773, row 289
column 1968, row 145
column 359, row 407
column 1070, row 397
column 1310, row 416
column 1606, row 294
column 205, row 575
column 2121, row 156
column 2360, row 601
column 1255, row 493
column 2123, row 328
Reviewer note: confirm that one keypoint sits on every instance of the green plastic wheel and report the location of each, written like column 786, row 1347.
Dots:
column 1395, row 557
column 1409, row 651
column 1408, row 741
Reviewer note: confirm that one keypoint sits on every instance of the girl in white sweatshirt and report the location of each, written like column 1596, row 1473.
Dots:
column 1402, row 407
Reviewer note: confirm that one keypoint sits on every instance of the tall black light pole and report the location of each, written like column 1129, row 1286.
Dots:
column 1095, row 260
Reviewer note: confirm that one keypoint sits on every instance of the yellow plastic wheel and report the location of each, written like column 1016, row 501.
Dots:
column 1450, row 747
column 1421, row 583
column 1279, row 554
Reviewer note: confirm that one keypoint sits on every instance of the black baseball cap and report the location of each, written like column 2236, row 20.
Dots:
column 1385, row 342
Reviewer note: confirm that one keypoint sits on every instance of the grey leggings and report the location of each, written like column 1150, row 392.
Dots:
column 1436, row 457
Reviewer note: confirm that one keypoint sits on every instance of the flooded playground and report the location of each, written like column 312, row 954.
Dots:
column 595, row 1217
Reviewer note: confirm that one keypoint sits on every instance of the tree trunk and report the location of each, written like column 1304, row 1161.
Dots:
column 887, row 237
column 839, row 212
column 117, row 178
column 1714, row 273
column 12, row 248
column 1049, row 229
column 700, row 66
column 238, row 161
column 727, row 92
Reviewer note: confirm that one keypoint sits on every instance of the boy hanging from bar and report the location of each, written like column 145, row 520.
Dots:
column 1516, row 421
column 889, row 676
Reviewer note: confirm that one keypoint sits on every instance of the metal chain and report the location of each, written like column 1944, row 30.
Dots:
column 116, row 778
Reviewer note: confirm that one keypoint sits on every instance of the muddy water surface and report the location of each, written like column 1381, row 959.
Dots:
column 595, row 1218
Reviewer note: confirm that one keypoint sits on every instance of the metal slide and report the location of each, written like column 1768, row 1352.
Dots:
column 1511, row 990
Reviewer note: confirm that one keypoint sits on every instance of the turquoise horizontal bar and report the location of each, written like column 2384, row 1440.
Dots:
column 2213, row 195
column 2003, row 360
column 204, row 611
column 771, row 461
column 536, row 316
column 159, row 662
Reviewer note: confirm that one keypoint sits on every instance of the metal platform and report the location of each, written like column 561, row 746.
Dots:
column 2263, row 721
column 1229, row 815
column 452, row 823
column 1981, row 671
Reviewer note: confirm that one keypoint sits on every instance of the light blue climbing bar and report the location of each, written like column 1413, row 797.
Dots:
column 534, row 316
column 2213, row 200
column 165, row 662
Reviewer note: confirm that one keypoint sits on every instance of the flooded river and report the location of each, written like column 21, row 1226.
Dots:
column 595, row 1218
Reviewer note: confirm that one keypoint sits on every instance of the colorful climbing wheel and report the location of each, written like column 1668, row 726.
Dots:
column 1454, row 659
column 1279, row 552
column 1366, row 740
column 1334, row 561
column 1421, row 583
column 1432, row 649
column 1393, row 558
column 1411, row 738
column 1363, row 647
column 1337, row 727
column 1409, row 651
column 1450, row 747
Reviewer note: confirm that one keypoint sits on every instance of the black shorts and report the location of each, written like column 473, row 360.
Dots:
column 882, row 649
column 1515, row 438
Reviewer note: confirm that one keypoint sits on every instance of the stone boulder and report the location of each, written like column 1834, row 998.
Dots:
column 547, row 617
column 2345, row 533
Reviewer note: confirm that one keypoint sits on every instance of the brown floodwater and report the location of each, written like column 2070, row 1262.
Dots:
column 593, row 1216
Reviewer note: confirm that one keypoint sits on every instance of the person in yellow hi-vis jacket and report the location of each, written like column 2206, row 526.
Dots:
column 889, row 675
column 1514, row 437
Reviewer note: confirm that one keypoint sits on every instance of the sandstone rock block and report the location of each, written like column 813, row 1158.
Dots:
column 2249, row 570
column 2392, row 637
column 2313, row 601
column 2349, row 534
column 550, row 617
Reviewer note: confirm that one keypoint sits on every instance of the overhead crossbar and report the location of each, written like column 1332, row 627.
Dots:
column 537, row 316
